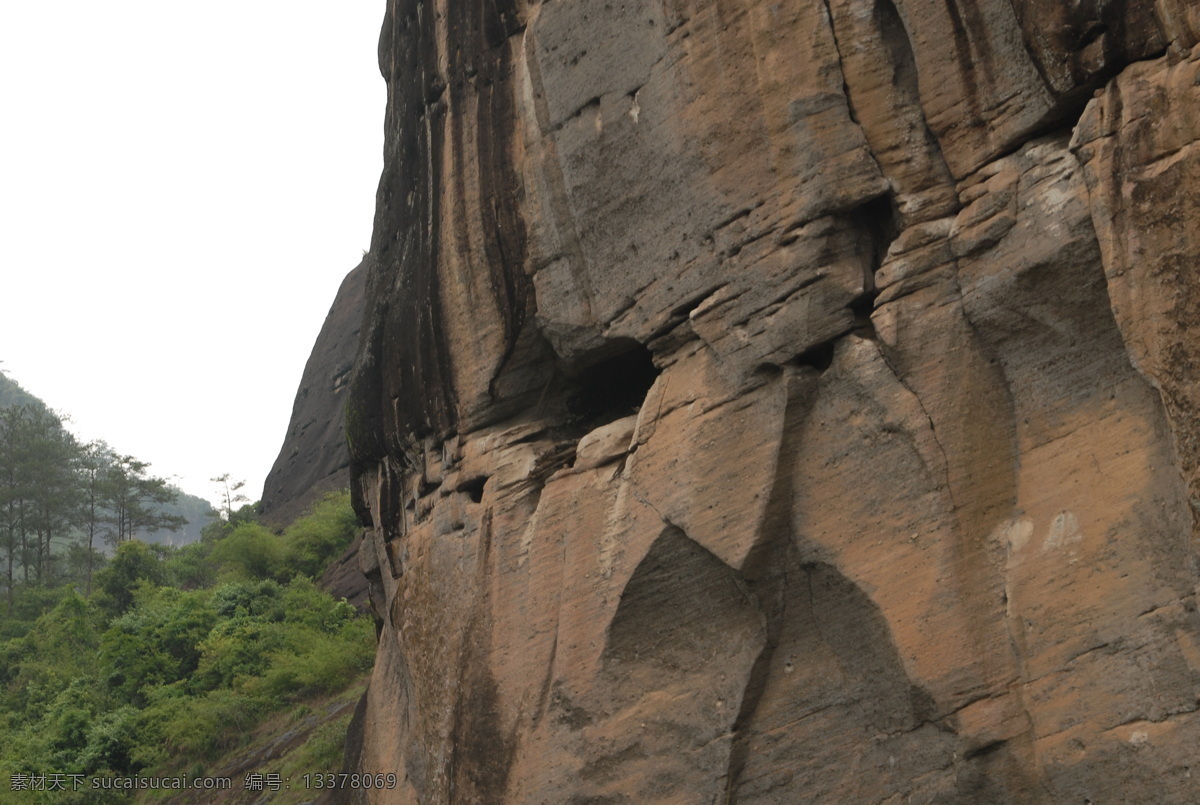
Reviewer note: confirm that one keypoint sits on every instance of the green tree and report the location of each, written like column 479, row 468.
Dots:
column 230, row 494
column 12, row 490
column 53, row 489
column 131, row 498
column 92, row 464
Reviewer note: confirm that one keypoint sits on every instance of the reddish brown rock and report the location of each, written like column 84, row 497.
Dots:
column 782, row 402
column 1139, row 141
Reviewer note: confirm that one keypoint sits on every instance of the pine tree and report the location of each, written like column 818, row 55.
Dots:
column 128, row 492
column 231, row 495
column 53, row 485
column 11, row 490
column 92, row 466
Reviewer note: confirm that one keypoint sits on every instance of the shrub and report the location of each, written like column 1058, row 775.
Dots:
column 134, row 562
column 202, row 726
column 156, row 642
column 314, row 663
column 68, row 719
column 111, row 742
column 321, row 535
column 191, row 566
column 145, row 674
column 250, row 551
column 308, row 605
column 234, row 650
column 257, row 599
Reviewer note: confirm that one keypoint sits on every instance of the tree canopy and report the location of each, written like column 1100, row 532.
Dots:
column 61, row 501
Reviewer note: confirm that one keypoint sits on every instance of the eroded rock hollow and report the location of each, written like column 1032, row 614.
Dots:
column 783, row 402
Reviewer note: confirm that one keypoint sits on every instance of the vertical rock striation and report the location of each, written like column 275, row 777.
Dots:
column 783, row 402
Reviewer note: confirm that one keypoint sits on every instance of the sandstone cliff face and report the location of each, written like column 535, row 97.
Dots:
column 313, row 459
column 784, row 402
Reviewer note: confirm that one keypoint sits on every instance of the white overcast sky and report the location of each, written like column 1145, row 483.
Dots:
column 182, row 188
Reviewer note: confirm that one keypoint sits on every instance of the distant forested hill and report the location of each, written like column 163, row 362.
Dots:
column 11, row 394
column 196, row 511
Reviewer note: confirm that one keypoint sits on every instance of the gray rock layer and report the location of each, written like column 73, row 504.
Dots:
column 313, row 459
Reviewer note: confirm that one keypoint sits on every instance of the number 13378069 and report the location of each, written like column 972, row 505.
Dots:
column 355, row 781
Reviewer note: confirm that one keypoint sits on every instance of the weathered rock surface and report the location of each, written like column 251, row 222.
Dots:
column 783, row 402
column 313, row 459
column 344, row 579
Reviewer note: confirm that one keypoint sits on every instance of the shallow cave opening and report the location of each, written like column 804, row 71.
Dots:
column 819, row 357
column 879, row 222
column 473, row 487
column 612, row 388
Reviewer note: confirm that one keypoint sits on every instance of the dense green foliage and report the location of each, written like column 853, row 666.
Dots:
column 250, row 550
column 177, row 652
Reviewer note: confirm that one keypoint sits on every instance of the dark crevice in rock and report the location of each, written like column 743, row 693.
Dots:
column 737, row 216
column 612, row 388
column 473, row 487
column 674, row 330
column 591, row 103
column 987, row 749
column 819, row 357
column 391, row 500
column 862, row 308
column 768, row 370
column 368, row 563
column 791, row 234
column 396, row 558
column 879, row 222
column 426, row 485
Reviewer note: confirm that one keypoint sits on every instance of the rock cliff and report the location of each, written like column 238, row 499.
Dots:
column 783, row 402
column 313, row 459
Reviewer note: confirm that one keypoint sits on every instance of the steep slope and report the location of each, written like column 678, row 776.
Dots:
column 313, row 459
column 783, row 402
